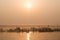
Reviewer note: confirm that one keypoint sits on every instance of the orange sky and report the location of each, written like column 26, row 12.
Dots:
column 40, row 12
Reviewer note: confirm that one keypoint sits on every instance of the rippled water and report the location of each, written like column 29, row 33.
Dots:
column 30, row 36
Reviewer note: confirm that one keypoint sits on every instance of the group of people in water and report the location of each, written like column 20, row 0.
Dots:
column 18, row 29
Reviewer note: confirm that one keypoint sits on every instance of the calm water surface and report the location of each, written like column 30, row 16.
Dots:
column 30, row 36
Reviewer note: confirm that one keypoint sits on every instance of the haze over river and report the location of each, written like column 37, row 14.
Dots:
column 30, row 36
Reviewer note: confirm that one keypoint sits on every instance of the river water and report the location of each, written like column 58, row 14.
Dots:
column 30, row 36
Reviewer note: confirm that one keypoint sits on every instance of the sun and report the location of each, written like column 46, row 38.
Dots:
column 28, row 5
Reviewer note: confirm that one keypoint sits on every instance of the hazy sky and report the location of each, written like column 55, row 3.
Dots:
column 40, row 12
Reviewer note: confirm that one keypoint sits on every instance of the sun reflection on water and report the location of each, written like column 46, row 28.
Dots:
column 28, row 36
